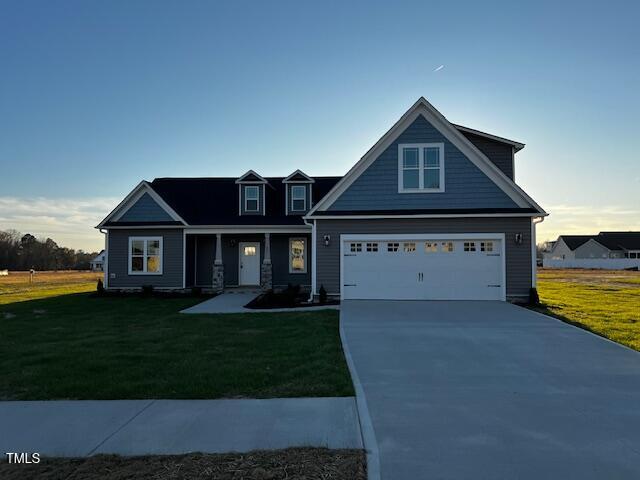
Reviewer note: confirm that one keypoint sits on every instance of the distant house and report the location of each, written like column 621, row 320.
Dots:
column 97, row 264
column 615, row 250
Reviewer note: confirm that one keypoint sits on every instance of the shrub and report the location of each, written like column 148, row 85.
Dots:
column 100, row 287
column 323, row 294
column 534, row 298
column 147, row 290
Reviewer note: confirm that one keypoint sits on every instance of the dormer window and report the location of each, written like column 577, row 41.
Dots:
column 298, row 198
column 420, row 167
column 251, row 203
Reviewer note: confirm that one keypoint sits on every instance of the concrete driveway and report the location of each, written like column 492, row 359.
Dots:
column 488, row 390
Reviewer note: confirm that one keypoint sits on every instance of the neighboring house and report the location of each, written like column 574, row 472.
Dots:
column 431, row 211
column 614, row 250
column 97, row 264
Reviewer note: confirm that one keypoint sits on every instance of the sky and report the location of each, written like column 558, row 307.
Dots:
column 96, row 96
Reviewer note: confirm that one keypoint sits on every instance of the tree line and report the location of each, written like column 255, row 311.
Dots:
column 24, row 252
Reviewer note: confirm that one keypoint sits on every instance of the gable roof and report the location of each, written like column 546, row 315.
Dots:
column 214, row 201
column 141, row 189
column 610, row 240
column 251, row 177
column 298, row 177
column 453, row 134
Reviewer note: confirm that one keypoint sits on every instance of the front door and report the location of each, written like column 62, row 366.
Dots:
column 249, row 263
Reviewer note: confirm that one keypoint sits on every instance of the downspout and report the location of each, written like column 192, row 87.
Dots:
column 313, row 257
column 534, row 260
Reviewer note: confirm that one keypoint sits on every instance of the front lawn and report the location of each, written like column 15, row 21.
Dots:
column 605, row 302
column 85, row 347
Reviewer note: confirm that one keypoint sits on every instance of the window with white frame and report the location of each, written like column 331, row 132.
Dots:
column 251, row 202
column 145, row 255
column 421, row 167
column 486, row 246
column 297, row 255
column 298, row 198
column 430, row 247
column 372, row 247
column 469, row 246
column 409, row 247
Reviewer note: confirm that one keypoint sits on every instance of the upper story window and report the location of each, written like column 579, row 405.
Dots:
column 251, row 194
column 298, row 198
column 420, row 167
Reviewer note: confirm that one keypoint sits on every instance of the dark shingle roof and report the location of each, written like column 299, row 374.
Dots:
column 611, row 240
column 214, row 201
column 619, row 240
column 574, row 241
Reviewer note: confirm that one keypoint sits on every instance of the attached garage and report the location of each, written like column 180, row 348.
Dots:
column 423, row 267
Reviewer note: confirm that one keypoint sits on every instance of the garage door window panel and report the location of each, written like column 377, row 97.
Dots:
column 409, row 247
column 355, row 247
column 430, row 247
column 469, row 246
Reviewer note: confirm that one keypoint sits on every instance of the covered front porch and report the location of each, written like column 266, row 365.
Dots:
column 265, row 260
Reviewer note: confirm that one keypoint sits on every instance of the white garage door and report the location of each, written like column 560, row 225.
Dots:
column 438, row 267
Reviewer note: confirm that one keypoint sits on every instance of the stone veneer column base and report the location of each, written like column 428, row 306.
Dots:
column 218, row 278
column 266, row 276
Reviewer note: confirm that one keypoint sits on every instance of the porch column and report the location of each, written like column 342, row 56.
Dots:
column 218, row 267
column 266, row 270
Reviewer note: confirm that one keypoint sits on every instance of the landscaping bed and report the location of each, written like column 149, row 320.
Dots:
column 292, row 463
column 291, row 297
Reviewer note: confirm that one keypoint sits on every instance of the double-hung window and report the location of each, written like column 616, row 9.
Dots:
column 251, row 202
column 298, row 198
column 421, row 167
column 145, row 255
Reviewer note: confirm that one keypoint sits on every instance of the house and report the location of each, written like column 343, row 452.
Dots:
column 614, row 250
column 97, row 264
column 431, row 211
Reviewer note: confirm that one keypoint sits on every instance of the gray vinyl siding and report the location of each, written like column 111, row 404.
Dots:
column 145, row 209
column 118, row 257
column 260, row 199
column 465, row 185
column 591, row 250
column 204, row 247
column 518, row 257
column 499, row 153
column 290, row 198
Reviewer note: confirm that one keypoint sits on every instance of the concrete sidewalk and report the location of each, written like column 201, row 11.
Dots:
column 141, row 427
column 234, row 302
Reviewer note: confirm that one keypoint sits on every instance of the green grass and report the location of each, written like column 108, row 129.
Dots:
column 17, row 286
column 601, row 303
column 85, row 347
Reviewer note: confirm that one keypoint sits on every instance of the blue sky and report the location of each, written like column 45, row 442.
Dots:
column 96, row 96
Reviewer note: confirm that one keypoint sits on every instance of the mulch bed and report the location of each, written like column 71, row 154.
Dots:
column 285, row 299
column 291, row 464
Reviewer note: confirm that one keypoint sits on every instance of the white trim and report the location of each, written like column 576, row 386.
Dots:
column 516, row 145
column 298, row 172
column 195, row 260
column 425, row 236
column 105, row 281
column 251, row 172
column 184, row 259
column 240, row 244
column 248, row 229
column 304, row 255
column 144, row 255
column 314, row 249
column 424, row 108
column 133, row 196
column 534, row 252
column 257, row 199
column 443, row 215
column 293, row 198
column 421, row 167
column 286, row 199
column 264, row 200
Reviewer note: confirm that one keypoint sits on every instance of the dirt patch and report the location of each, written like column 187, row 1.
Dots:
column 292, row 464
